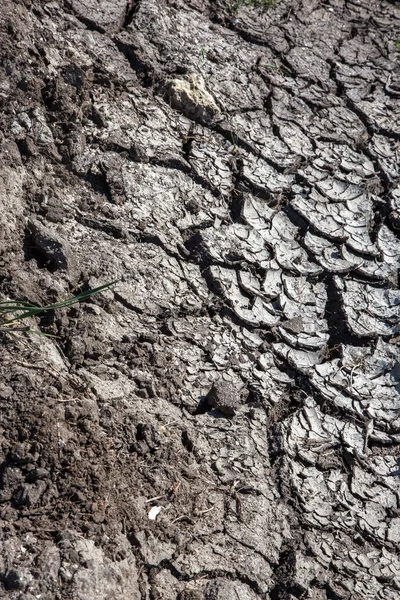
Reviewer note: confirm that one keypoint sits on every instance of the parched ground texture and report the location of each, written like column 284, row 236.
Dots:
column 224, row 423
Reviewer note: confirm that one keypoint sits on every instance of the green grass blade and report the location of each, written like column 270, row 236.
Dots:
column 8, row 303
column 11, row 329
column 49, row 335
column 30, row 310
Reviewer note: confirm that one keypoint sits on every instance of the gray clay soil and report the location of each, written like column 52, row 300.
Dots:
column 237, row 170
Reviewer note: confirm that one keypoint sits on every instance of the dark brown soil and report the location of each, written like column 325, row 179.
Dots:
column 223, row 424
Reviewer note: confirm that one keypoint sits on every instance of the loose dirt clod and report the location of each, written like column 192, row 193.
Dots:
column 224, row 398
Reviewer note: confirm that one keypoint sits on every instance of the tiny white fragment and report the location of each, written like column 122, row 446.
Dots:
column 154, row 512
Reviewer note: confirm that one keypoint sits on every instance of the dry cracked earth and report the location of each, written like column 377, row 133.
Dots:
column 222, row 424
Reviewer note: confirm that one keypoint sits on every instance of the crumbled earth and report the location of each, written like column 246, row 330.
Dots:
column 224, row 423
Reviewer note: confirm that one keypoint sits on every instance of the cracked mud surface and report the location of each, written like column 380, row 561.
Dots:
column 224, row 423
